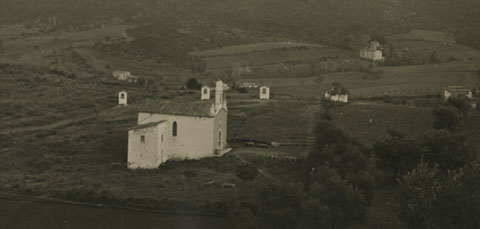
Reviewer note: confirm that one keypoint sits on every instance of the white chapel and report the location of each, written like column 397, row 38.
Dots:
column 178, row 131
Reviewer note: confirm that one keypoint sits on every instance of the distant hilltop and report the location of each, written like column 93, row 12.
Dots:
column 425, row 35
column 249, row 48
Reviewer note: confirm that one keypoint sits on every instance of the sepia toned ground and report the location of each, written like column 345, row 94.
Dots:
column 62, row 135
column 15, row 214
column 368, row 122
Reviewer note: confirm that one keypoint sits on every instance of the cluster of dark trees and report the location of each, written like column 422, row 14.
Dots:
column 436, row 177
column 335, row 190
column 437, row 174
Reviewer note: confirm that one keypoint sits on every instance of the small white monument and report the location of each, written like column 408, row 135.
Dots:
column 205, row 93
column 122, row 98
column 265, row 92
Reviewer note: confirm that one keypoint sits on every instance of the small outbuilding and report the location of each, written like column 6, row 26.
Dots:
column 205, row 91
column 122, row 98
column 264, row 93
column 337, row 94
column 456, row 91
column 124, row 76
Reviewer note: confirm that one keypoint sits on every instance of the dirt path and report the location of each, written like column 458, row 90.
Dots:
column 120, row 113
column 46, row 127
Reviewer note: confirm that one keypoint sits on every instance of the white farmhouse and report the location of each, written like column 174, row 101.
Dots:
column 122, row 98
column 456, row 91
column 372, row 52
column 124, row 76
column 337, row 94
column 265, row 92
column 336, row 97
column 177, row 131
column 121, row 75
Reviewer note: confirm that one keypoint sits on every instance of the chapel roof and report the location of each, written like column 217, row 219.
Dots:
column 150, row 124
column 458, row 89
column 197, row 108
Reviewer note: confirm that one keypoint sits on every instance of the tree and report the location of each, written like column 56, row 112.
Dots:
column 447, row 149
column 315, row 214
column 417, row 196
column 346, row 203
column 446, row 118
column 279, row 205
column 461, row 103
column 397, row 155
column 430, row 199
column 457, row 203
column 246, row 172
column 192, row 83
column 338, row 155
column 241, row 216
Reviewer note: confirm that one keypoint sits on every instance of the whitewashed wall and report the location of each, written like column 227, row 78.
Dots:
column 149, row 153
column 194, row 135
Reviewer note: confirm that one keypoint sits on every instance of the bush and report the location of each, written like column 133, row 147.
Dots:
column 460, row 103
column 192, row 83
column 246, row 172
column 242, row 90
column 446, row 118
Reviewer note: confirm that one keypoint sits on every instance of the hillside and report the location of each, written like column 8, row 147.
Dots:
column 336, row 22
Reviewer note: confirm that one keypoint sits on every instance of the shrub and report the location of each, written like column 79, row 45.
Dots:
column 446, row 118
column 192, row 83
column 460, row 103
column 246, row 172
column 242, row 90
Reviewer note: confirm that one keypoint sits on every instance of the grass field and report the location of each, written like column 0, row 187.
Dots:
column 275, row 59
column 81, row 52
column 59, row 137
column 33, row 49
column 415, row 80
column 402, row 81
column 423, row 46
column 271, row 120
column 249, row 48
column 354, row 119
